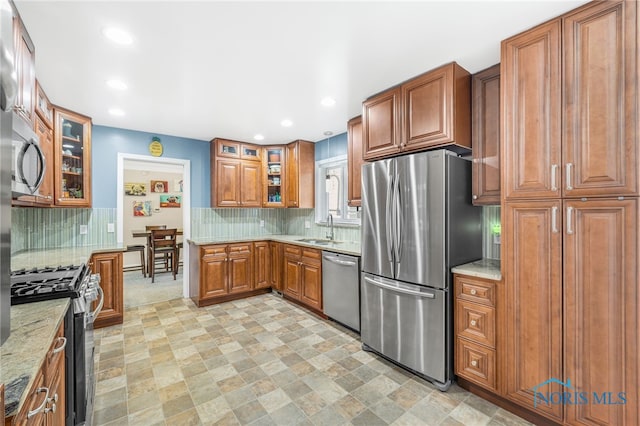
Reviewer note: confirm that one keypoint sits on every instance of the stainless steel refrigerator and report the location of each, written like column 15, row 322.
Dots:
column 8, row 88
column 417, row 223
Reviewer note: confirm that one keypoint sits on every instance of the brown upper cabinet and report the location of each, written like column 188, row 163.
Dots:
column 44, row 109
column 273, row 169
column 45, row 138
column 569, row 89
column 431, row 110
column 355, row 161
column 485, row 136
column 72, row 158
column 300, row 176
column 25, row 67
column 236, row 172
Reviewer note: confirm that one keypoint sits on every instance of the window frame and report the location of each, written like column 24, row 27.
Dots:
column 321, row 210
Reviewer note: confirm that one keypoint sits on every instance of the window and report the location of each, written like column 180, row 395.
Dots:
column 331, row 192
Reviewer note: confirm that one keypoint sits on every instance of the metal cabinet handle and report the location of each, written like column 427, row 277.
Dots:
column 569, row 220
column 473, row 291
column 61, row 347
column 554, row 218
column 474, row 363
column 44, row 402
column 52, row 409
column 475, row 197
column 473, row 323
column 554, row 167
column 569, row 166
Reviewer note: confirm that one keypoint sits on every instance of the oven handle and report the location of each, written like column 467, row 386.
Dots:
column 400, row 290
column 95, row 313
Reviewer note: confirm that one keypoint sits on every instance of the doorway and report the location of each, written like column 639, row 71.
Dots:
column 169, row 203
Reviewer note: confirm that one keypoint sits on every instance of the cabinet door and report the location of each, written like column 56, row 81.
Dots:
column 228, row 183
column 250, row 187
column 600, row 139
column 355, row 161
column 240, row 268
column 601, row 308
column 25, row 58
column 485, row 135
column 292, row 175
column 55, row 410
column 262, row 258
column 276, row 265
column 109, row 266
column 45, row 136
column 292, row 276
column 250, row 152
column 213, row 278
column 532, row 256
column 274, row 173
column 531, row 113
column 72, row 148
column 311, row 284
column 381, row 124
column 43, row 107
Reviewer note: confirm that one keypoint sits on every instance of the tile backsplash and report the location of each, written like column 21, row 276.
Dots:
column 295, row 225
column 224, row 223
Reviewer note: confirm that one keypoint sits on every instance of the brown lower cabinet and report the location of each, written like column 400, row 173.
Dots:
column 303, row 275
column 276, row 265
column 45, row 401
column 262, row 255
column 109, row 266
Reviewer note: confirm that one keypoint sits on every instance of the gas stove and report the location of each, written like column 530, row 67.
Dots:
column 37, row 284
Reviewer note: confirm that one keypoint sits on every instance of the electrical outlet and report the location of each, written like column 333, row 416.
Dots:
column 83, row 229
column 496, row 238
column 262, row 224
column 307, row 224
column 111, row 227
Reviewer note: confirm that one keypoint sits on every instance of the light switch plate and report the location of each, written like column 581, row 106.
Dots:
column 83, row 229
column 111, row 227
column 496, row 238
column 262, row 224
column 307, row 224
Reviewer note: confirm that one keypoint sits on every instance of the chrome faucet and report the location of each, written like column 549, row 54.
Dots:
column 330, row 224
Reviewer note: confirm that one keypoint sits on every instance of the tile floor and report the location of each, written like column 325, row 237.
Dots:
column 140, row 291
column 260, row 361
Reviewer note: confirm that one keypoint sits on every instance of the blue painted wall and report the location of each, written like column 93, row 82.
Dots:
column 107, row 142
column 331, row 147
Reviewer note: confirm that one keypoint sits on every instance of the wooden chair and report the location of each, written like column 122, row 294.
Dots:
column 163, row 245
column 143, row 267
column 149, row 258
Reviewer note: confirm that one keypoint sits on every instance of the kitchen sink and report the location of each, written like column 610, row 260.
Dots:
column 319, row 241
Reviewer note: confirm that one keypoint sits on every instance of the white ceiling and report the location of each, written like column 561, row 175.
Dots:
column 233, row 69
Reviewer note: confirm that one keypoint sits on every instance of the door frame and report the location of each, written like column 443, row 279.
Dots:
column 186, row 204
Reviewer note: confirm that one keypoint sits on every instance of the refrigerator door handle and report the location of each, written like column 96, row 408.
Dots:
column 398, row 220
column 388, row 222
column 400, row 290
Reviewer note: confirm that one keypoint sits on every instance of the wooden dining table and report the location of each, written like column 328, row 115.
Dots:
column 139, row 233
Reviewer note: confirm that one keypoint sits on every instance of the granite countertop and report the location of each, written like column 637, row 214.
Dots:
column 33, row 327
column 483, row 268
column 344, row 247
column 58, row 256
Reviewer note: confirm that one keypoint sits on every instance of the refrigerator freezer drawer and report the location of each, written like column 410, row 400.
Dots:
column 405, row 323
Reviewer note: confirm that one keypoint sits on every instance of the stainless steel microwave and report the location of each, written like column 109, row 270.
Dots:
column 29, row 164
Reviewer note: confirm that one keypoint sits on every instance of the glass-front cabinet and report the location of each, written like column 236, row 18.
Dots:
column 72, row 133
column 274, row 174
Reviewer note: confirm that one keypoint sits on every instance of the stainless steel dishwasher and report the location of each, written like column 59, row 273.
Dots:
column 341, row 288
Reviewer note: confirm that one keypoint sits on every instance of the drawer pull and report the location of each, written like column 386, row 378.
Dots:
column 473, row 323
column 473, row 291
column 61, row 347
column 474, row 363
column 44, row 402
column 52, row 409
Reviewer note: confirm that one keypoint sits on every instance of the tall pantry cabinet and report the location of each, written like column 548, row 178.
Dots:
column 570, row 212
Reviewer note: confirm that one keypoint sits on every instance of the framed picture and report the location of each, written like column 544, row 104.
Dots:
column 170, row 200
column 159, row 186
column 142, row 208
column 135, row 188
column 177, row 185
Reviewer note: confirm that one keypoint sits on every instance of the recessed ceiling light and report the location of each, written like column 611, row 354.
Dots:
column 258, row 137
column 118, row 35
column 286, row 123
column 116, row 111
column 328, row 133
column 116, row 84
column 328, row 101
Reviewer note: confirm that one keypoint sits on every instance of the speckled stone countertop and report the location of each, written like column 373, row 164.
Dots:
column 484, row 268
column 58, row 256
column 33, row 327
column 344, row 247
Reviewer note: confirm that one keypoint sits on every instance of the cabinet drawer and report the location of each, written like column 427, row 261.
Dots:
column 56, row 351
column 214, row 250
column 476, row 322
column 239, row 248
column 311, row 255
column 476, row 290
column 292, row 250
column 476, row 363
